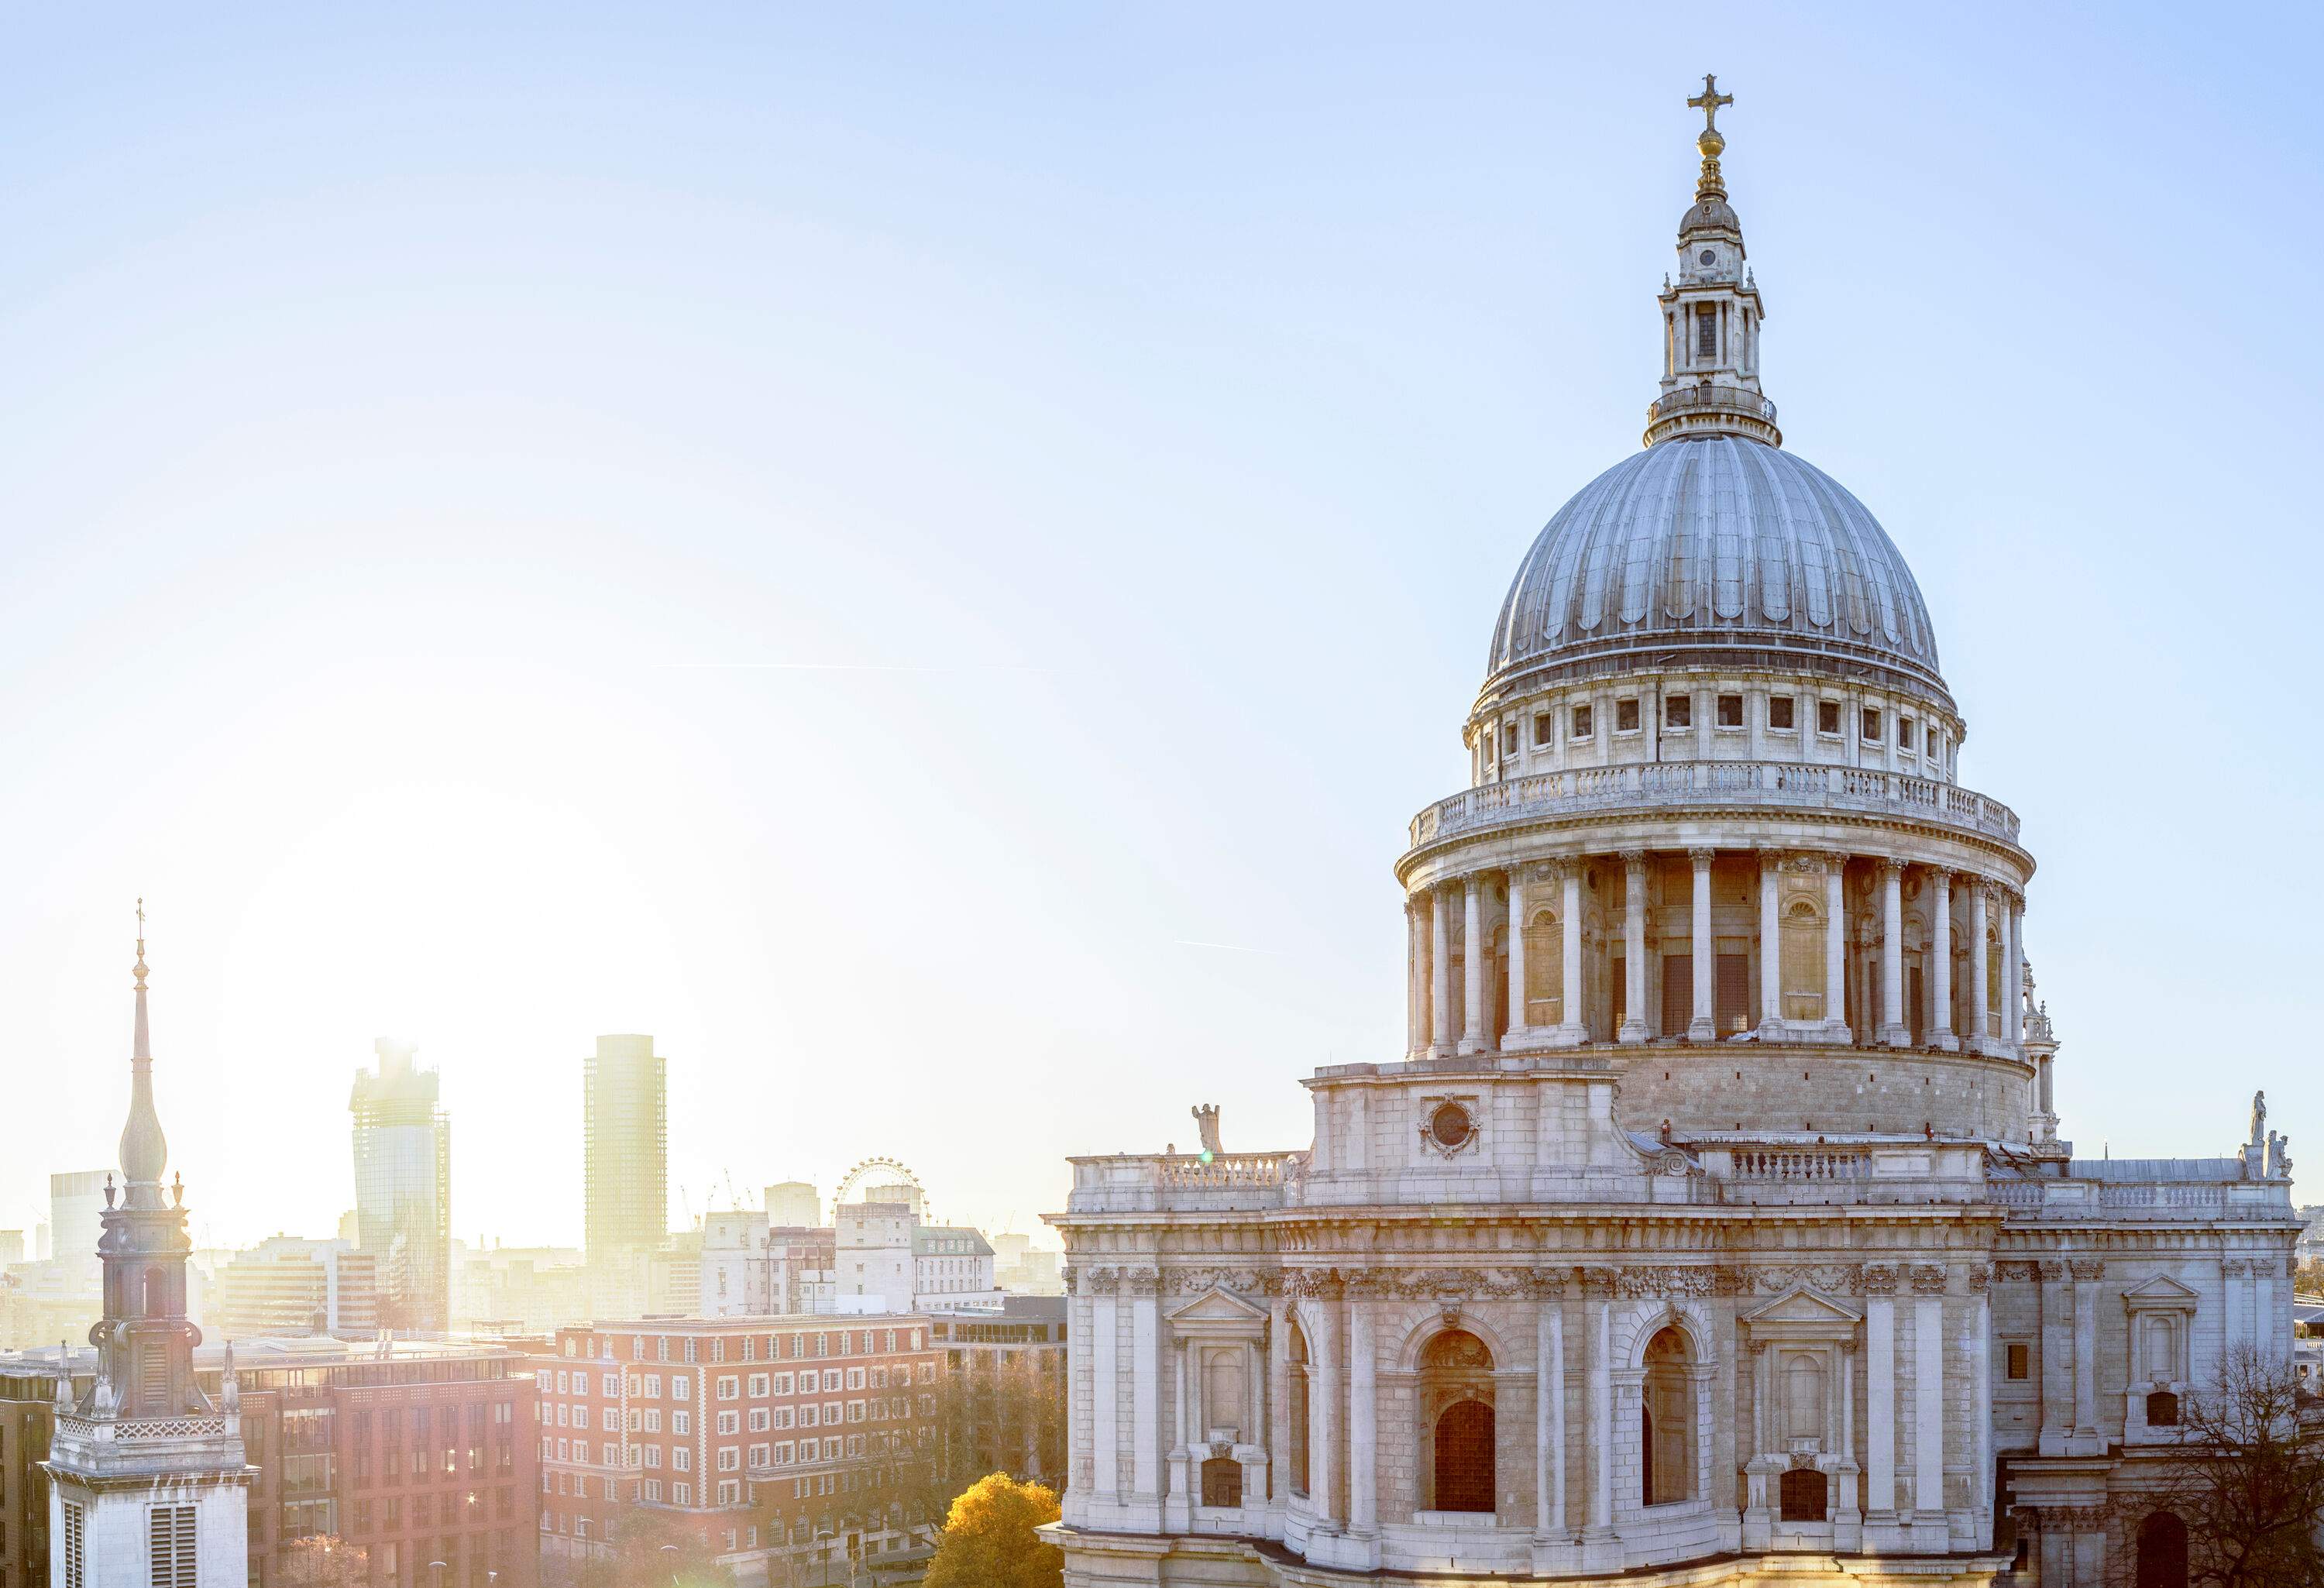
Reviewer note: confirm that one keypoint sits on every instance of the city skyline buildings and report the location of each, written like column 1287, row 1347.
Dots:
column 403, row 1142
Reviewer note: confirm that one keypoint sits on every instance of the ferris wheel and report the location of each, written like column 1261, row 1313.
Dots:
column 900, row 1173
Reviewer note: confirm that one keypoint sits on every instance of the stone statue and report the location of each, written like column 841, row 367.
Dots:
column 2279, row 1156
column 1206, row 1120
column 2259, row 1117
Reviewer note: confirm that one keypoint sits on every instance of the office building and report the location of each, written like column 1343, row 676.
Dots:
column 403, row 1187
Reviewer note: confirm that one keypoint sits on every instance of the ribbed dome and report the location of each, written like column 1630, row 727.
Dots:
column 1718, row 542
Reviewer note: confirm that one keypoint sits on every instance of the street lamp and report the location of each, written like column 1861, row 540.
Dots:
column 671, row 1549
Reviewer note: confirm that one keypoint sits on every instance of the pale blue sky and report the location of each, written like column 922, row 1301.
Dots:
column 406, row 420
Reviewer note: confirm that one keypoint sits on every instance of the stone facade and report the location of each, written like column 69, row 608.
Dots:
column 1714, row 1226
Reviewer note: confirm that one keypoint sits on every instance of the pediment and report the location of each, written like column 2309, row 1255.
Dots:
column 1219, row 1312
column 2160, row 1291
column 1803, row 1311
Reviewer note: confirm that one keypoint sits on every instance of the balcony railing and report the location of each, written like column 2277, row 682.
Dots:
column 1748, row 785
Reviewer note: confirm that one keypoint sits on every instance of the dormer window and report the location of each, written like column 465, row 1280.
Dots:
column 1706, row 330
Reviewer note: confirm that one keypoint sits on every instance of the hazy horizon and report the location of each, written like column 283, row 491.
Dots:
column 925, row 559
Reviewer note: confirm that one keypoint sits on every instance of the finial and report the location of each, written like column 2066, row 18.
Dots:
column 140, row 966
column 1710, row 185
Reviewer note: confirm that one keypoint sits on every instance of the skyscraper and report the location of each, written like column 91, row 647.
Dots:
column 625, row 1149
column 403, row 1187
column 76, row 1218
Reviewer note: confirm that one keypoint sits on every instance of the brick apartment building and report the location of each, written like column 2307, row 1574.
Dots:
column 407, row 1455
column 785, row 1439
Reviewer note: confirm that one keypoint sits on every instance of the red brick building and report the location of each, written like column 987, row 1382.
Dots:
column 403, row 1456
column 769, row 1436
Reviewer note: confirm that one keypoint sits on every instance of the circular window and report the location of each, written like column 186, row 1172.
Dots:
column 1448, row 1126
column 1708, row 257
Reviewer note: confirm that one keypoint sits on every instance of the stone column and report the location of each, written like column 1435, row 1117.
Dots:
column 1105, row 1395
column 1146, row 1385
column 1278, row 1410
column 1323, row 1414
column 2013, row 972
column 1880, row 1392
column 2264, row 1339
column 1980, row 989
column 1440, row 972
column 1929, row 1391
column 1706, row 723
column 1941, row 960
column 1835, row 946
column 1472, row 967
column 1575, row 1017
column 1980, row 1404
column 1415, row 997
column 1363, row 1475
column 1517, row 1010
column 1549, row 1420
column 2057, row 1357
column 2087, row 1272
column 2234, row 1329
column 1600, row 1326
column 1771, row 946
column 1703, row 1028
column 1894, row 1031
column 1633, row 946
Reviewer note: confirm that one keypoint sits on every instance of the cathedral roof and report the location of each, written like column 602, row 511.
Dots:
column 1713, row 541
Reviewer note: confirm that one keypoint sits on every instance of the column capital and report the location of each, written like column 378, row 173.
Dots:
column 1633, row 860
column 1701, row 857
column 1890, row 866
column 1941, row 875
column 1834, row 859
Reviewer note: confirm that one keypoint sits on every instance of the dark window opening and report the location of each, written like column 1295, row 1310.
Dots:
column 1803, row 1494
column 2162, row 1551
column 1706, row 330
column 1730, row 711
column 1222, row 1482
column 1827, row 716
column 1678, row 711
column 1904, row 732
column 1581, row 722
column 1731, row 989
column 1464, row 1457
column 1779, row 711
column 2162, row 1410
column 2019, row 1367
column 1626, row 716
column 1871, row 724
column 1542, row 729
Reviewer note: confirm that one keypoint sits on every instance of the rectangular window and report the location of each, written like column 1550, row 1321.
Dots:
column 729, row 1388
column 73, row 1546
column 1542, row 733
column 1581, row 722
column 1779, row 711
column 1827, row 716
column 1508, row 738
column 757, row 1386
column 1678, row 711
column 681, row 1422
column 729, row 1422
column 2019, row 1368
column 1706, row 330
column 170, row 1545
column 1872, row 725
column 1625, row 715
column 1730, row 711
column 1904, row 732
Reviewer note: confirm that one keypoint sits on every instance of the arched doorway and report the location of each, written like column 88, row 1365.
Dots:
column 2162, row 1551
column 1803, row 1495
column 1666, row 1420
column 1456, row 1409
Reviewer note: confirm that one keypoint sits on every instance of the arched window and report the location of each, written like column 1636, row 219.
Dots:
column 2162, row 1410
column 2162, row 1551
column 1222, row 1482
column 1298, row 1352
column 1545, row 968
column 1803, row 1494
column 1666, row 1421
column 1456, row 1408
column 1803, row 961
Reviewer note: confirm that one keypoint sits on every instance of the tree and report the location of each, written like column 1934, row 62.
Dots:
column 2248, row 1483
column 324, row 1561
column 989, row 1542
column 654, row 1549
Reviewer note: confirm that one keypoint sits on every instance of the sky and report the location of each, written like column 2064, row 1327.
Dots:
column 925, row 555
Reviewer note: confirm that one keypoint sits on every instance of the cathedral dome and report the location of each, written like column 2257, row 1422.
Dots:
column 1713, row 543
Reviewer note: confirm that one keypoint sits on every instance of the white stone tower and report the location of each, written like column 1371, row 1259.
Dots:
column 148, row 1486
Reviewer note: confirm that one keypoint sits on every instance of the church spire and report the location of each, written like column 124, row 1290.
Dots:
column 1711, row 318
column 144, row 1151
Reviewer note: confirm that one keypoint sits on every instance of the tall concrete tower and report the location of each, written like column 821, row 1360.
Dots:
column 403, row 1186
column 148, row 1483
column 625, row 1149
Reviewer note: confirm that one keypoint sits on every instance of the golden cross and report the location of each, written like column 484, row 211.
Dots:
column 1709, row 101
